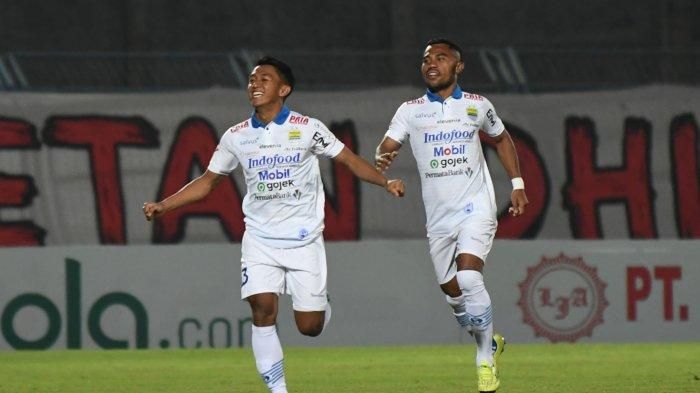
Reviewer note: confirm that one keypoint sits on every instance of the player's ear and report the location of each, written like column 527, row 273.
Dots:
column 460, row 67
column 285, row 90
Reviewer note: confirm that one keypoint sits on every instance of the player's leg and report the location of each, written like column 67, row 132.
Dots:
column 306, row 281
column 473, row 245
column 261, row 282
column 477, row 303
column 442, row 253
column 267, row 349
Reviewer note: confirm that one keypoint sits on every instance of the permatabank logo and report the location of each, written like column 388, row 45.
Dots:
column 562, row 298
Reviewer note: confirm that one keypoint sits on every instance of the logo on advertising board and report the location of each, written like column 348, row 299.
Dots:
column 562, row 298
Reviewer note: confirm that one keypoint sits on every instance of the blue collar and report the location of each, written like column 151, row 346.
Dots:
column 279, row 119
column 432, row 97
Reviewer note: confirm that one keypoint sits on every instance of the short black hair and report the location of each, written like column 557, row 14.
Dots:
column 282, row 68
column 447, row 42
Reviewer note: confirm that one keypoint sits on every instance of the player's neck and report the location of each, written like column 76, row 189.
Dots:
column 445, row 91
column 266, row 113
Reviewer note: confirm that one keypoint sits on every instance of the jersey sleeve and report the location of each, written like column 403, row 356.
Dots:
column 223, row 161
column 324, row 142
column 399, row 128
column 491, row 123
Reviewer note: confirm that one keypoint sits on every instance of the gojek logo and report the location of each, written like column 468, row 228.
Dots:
column 448, row 162
column 73, row 317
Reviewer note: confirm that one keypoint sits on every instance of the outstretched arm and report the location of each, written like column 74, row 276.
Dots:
column 364, row 170
column 192, row 192
column 509, row 158
column 387, row 150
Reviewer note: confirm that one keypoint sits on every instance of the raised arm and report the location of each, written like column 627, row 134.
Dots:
column 192, row 192
column 509, row 158
column 364, row 170
column 387, row 151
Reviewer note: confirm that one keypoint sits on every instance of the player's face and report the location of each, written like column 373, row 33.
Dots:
column 265, row 86
column 440, row 66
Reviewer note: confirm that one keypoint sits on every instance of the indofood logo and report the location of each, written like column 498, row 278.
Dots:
column 448, row 136
column 273, row 161
column 562, row 298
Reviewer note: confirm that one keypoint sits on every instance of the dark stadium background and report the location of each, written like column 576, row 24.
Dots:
column 170, row 44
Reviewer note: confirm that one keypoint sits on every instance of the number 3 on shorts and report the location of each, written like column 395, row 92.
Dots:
column 244, row 276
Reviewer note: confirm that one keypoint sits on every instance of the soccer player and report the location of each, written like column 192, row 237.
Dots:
column 443, row 127
column 282, row 248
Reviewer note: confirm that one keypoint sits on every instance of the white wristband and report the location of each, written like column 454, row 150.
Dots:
column 518, row 183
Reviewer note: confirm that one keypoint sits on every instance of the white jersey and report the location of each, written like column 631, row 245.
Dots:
column 284, row 205
column 444, row 137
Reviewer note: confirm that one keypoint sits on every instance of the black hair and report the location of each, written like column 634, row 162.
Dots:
column 449, row 43
column 282, row 68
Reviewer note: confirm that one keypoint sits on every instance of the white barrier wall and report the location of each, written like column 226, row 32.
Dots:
column 613, row 165
column 383, row 292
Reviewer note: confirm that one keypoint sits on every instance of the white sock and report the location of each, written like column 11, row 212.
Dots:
column 459, row 309
column 269, row 358
column 478, row 307
column 327, row 316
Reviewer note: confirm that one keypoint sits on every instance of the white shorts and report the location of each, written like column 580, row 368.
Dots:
column 300, row 272
column 474, row 236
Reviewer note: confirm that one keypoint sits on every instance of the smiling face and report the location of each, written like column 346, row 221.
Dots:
column 266, row 86
column 440, row 67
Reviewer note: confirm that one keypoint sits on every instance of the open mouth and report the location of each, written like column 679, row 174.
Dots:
column 257, row 94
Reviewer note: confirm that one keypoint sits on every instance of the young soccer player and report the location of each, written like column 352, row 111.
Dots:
column 282, row 248
column 443, row 126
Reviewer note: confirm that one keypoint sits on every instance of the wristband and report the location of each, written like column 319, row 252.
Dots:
column 518, row 183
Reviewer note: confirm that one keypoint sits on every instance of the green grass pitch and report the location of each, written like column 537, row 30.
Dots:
column 561, row 368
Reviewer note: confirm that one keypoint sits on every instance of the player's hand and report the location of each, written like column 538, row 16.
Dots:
column 519, row 201
column 152, row 210
column 395, row 187
column 383, row 161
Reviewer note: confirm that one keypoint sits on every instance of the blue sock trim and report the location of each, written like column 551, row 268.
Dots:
column 481, row 320
column 274, row 373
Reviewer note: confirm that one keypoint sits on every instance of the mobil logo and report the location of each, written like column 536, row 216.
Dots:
column 274, row 175
column 449, row 150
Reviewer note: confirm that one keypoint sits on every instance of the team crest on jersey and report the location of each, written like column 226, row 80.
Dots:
column 294, row 135
column 472, row 112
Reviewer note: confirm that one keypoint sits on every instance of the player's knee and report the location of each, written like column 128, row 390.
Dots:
column 264, row 316
column 310, row 328
column 470, row 281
